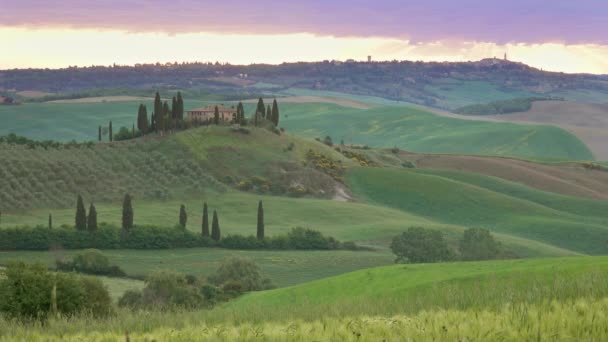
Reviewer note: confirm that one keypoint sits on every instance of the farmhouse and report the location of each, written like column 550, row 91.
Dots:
column 207, row 113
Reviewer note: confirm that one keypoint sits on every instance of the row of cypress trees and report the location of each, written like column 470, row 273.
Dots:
column 267, row 112
column 215, row 233
column 89, row 222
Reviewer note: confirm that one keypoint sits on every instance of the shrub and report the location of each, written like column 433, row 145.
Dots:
column 301, row 238
column 131, row 299
column 30, row 291
column 408, row 164
column 238, row 275
column 91, row 261
column 169, row 289
column 479, row 244
column 417, row 245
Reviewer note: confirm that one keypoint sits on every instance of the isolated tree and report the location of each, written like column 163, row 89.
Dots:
column 269, row 113
column 478, row 244
column 81, row 214
column 127, row 213
column 418, row 245
column 260, row 232
column 275, row 112
column 205, row 227
column 183, row 216
column 50, row 221
column 215, row 228
column 133, row 131
column 261, row 108
column 99, row 133
column 158, row 111
column 110, row 132
column 216, row 116
column 92, row 219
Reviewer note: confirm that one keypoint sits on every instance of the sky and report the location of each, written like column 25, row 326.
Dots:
column 556, row 35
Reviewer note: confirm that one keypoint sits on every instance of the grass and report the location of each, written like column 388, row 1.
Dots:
column 418, row 130
column 118, row 286
column 186, row 164
column 392, row 125
column 555, row 322
column 536, row 299
column 284, row 268
column 480, row 201
column 367, row 224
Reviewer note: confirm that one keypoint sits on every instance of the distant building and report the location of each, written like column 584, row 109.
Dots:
column 369, row 59
column 207, row 113
column 506, row 57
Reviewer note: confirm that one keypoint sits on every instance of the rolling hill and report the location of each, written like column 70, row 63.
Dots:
column 501, row 206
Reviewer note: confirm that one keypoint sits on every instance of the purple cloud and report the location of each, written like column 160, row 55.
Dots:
column 526, row 21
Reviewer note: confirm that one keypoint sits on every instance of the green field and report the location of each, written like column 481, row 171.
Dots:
column 420, row 131
column 535, row 299
column 481, row 201
column 186, row 164
column 403, row 126
column 346, row 221
column 284, row 268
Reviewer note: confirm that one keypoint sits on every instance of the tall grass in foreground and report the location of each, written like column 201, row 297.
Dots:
column 572, row 321
column 516, row 303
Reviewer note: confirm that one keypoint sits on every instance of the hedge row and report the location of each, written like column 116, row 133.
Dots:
column 151, row 237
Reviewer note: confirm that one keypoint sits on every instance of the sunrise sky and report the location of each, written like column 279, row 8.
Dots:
column 558, row 35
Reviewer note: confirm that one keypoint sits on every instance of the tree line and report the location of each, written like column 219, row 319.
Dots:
column 89, row 234
column 167, row 118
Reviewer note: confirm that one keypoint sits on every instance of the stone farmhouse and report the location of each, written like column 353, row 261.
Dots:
column 206, row 113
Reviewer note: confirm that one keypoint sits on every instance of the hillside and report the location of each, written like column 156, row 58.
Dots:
column 501, row 206
column 186, row 164
column 568, row 178
column 354, row 120
column 441, row 85
column 383, row 291
column 419, row 130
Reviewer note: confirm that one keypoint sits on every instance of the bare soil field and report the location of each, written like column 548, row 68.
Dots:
column 99, row 99
column 566, row 179
column 320, row 99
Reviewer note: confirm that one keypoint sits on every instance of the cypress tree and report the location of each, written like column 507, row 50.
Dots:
column 99, row 133
column 110, row 129
column 216, row 116
column 180, row 107
column 145, row 122
column 50, row 221
column 133, row 131
column 140, row 117
column 215, row 228
column 275, row 112
column 81, row 214
column 174, row 112
column 127, row 213
column 260, row 232
column 240, row 113
column 166, row 117
column 183, row 216
column 92, row 219
column 158, row 111
column 261, row 108
column 269, row 113
column 205, row 228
